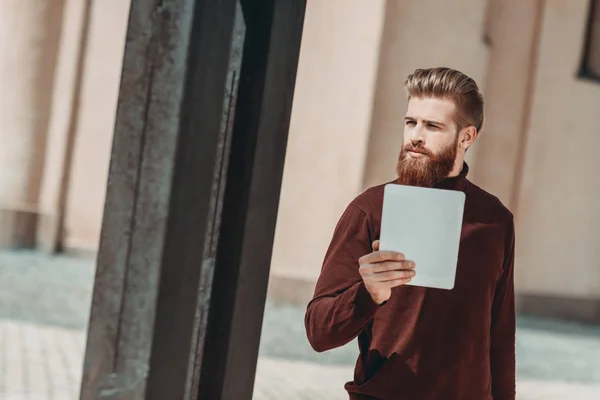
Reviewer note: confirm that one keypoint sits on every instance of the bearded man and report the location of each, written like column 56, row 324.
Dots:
column 420, row 343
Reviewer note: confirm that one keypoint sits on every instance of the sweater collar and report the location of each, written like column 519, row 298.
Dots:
column 458, row 182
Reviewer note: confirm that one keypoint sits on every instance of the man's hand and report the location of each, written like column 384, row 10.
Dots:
column 383, row 270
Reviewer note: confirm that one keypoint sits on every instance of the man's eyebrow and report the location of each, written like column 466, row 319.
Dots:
column 427, row 121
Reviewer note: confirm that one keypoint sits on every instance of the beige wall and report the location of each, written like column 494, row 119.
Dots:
column 100, row 89
column 346, row 125
column 534, row 100
column 558, row 208
column 420, row 34
column 329, row 129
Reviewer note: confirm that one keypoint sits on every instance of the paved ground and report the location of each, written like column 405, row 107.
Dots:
column 44, row 305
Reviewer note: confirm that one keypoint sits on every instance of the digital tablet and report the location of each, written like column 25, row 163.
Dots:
column 425, row 225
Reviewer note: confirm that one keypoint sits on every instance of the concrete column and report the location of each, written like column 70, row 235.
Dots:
column 29, row 39
column 64, row 126
column 513, row 31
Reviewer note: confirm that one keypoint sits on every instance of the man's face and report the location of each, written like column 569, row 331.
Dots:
column 430, row 142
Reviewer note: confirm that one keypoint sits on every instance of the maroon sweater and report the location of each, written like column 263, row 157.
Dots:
column 423, row 344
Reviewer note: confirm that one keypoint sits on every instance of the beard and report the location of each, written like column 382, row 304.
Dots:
column 425, row 171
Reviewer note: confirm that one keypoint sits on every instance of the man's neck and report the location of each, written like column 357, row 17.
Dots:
column 458, row 166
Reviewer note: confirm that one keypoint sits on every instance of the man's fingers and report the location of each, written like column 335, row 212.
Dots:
column 376, row 245
column 398, row 282
column 380, row 256
column 387, row 270
column 391, row 266
column 392, row 275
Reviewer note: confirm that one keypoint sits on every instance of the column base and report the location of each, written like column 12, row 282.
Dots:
column 18, row 228
column 582, row 310
column 298, row 292
column 290, row 290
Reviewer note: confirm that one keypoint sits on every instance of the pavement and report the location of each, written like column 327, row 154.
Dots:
column 44, row 306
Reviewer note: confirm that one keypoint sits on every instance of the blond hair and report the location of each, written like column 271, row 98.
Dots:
column 447, row 83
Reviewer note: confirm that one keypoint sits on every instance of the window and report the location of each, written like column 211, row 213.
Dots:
column 590, row 66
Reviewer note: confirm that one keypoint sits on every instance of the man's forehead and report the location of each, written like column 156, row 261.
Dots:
column 431, row 109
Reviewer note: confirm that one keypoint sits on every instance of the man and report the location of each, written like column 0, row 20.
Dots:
column 419, row 343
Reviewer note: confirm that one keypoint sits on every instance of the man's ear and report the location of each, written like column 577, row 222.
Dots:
column 468, row 137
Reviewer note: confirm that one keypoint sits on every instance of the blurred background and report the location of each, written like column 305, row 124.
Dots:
column 537, row 62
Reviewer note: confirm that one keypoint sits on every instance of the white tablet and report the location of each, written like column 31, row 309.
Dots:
column 425, row 225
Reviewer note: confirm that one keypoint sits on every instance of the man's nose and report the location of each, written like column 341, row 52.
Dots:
column 416, row 137
column 417, row 141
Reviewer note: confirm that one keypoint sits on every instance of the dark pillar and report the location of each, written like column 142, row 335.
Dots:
column 273, row 33
column 160, row 199
column 175, row 282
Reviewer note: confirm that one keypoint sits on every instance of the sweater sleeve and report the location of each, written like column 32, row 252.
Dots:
column 341, row 306
column 502, row 349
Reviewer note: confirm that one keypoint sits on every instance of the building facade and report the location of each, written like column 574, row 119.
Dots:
column 536, row 62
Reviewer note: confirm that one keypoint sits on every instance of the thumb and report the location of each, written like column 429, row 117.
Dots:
column 376, row 245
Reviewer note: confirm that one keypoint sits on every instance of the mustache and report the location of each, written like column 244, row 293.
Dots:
column 417, row 149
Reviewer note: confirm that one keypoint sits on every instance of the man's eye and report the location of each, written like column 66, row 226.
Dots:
column 433, row 126
column 410, row 123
